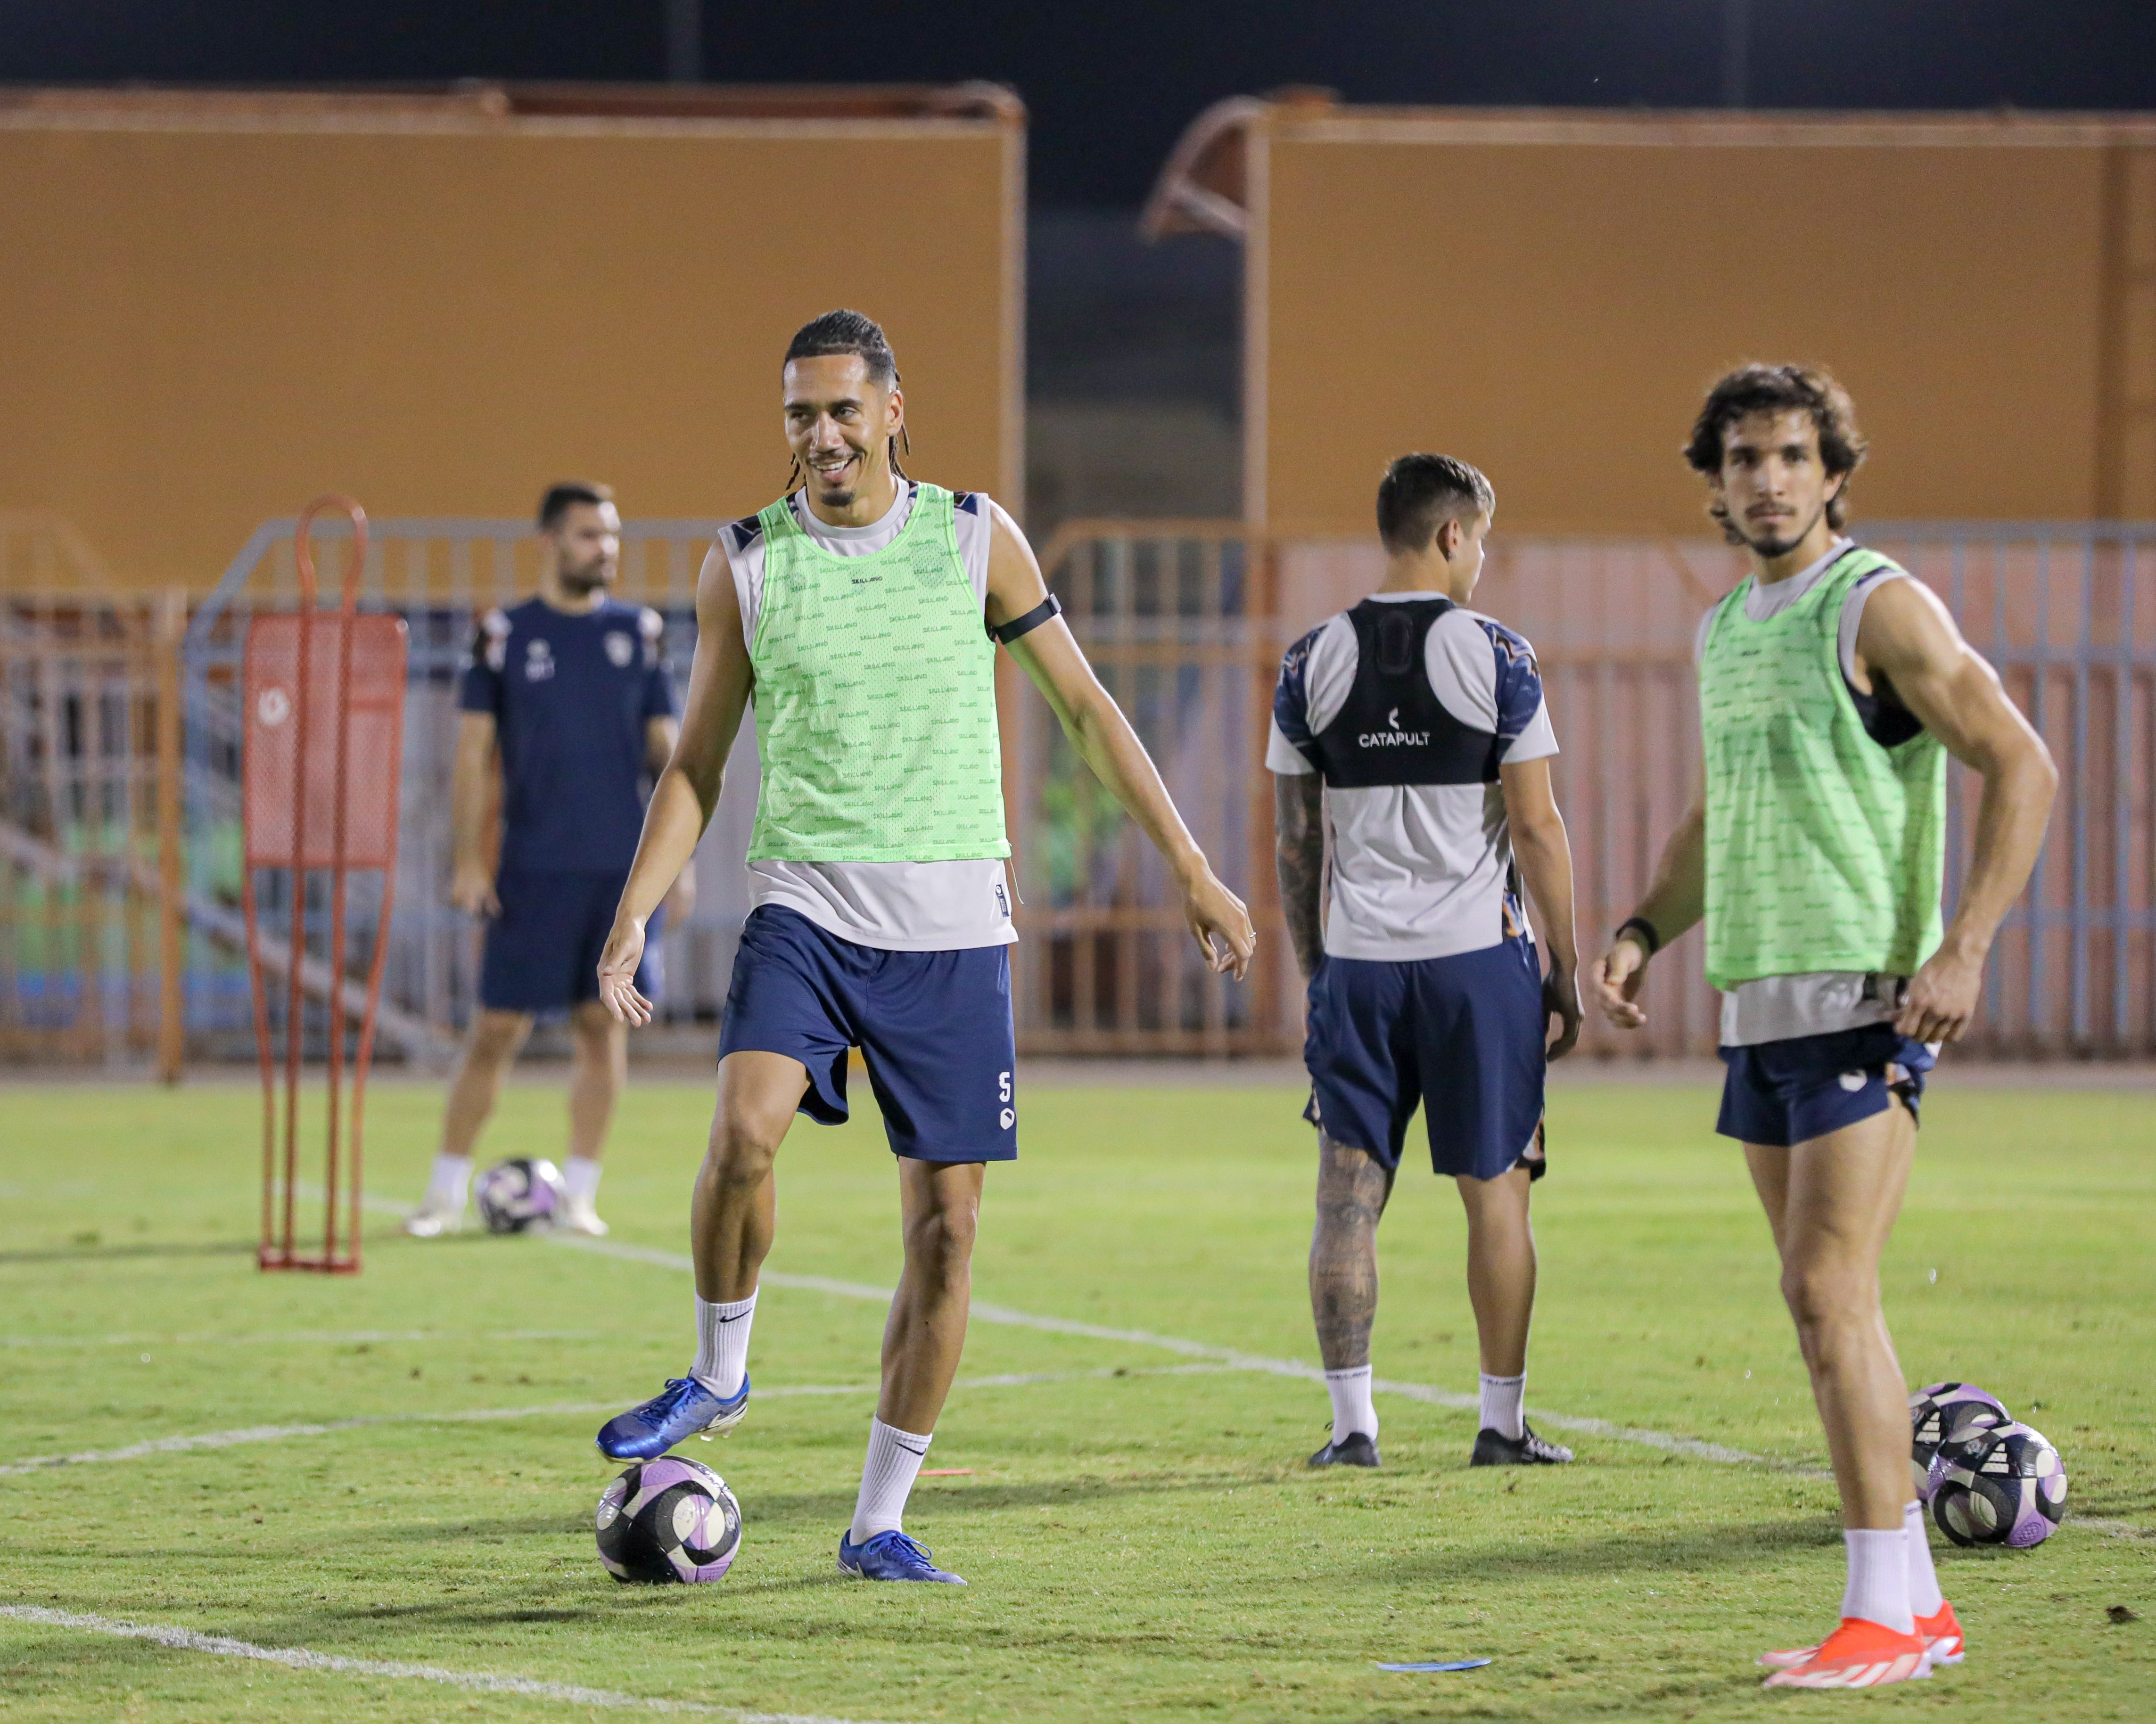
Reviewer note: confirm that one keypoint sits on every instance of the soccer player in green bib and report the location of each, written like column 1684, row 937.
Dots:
column 1832, row 689
column 861, row 614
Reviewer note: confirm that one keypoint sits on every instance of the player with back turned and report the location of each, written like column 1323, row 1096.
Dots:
column 1832, row 689
column 1416, row 728
column 861, row 612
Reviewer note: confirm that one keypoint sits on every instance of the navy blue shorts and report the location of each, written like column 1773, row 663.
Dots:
column 934, row 1029
column 542, row 952
column 1791, row 1092
column 1463, row 1035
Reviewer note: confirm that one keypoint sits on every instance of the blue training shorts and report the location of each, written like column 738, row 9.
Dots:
column 1790, row 1091
column 1463, row 1035
column 542, row 953
column 933, row 1026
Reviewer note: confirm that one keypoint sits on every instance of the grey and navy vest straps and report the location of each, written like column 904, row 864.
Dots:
column 1392, row 729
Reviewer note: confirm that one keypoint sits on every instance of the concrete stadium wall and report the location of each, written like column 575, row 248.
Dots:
column 1549, row 297
column 213, row 308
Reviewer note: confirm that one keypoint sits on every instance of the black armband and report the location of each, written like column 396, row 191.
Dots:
column 1645, row 929
column 1008, row 632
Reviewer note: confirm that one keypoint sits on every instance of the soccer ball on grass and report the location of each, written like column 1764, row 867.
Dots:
column 2001, row 1484
column 1947, row 1413
column 671, row 1519
column 515, row 1196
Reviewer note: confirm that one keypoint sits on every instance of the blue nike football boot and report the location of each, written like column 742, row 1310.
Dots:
column 890, row 1556
column 677, row 1413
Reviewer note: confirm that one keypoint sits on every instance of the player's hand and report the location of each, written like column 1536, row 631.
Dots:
column 1213, row 912
column 618, row 962
column 1561, row 1000
column 471, row 889
column 1618, row 980
column 1942, row 996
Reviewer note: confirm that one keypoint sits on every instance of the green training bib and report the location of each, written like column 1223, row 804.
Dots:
column 1824, row 850
column 875, row 698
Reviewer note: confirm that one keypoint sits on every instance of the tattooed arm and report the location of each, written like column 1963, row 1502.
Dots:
column 1299, row 859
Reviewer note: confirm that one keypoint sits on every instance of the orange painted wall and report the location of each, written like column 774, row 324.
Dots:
column 1555, row 311
column 202, row 328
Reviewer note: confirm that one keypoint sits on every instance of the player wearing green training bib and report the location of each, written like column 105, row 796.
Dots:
column 1832, row 689
column 862, row 613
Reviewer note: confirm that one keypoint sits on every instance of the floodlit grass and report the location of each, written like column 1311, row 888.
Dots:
column 1145, row 1546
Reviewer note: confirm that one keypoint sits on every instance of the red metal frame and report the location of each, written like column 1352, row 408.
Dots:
column 340, row 1252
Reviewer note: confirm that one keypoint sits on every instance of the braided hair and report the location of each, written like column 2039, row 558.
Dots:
column 841, row 332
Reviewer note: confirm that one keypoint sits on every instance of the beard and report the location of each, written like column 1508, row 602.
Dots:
column 1778, row 541
column 588, row 579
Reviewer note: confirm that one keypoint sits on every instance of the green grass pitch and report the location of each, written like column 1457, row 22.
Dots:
column 1143, row 1540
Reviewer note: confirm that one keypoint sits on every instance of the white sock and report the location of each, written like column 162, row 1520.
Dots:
column 1878, row 1589
column 447, row 1185
column 1502, row 1410
column 1925, row 1597
column 722, row 1329
column 887, row 1477
column 582, row 1177
column 1352, row 1409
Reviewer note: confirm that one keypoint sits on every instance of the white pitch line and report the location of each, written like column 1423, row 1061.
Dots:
column 298, row 1658
column 1235, row 1359
column 283, row 1432
column 1692, row 1448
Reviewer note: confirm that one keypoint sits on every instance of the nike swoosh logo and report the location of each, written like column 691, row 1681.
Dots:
column 911, row 1450
column 735, row 1318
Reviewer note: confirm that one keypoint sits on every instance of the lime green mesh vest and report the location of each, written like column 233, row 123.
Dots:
column 875, row 698
column 1824, row 850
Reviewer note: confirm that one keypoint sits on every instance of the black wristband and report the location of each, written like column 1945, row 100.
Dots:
column 1640, row 926
column 1008, row 632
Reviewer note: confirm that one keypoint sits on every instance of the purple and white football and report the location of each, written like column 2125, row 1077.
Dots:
column 1942, row 1412
column 1999, row 1484
column 668, row 1520
column 515, row 1196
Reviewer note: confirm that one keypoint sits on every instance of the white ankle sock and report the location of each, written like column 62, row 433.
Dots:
column 1502, row 1405
column 887, row 1477
column 1352, row 1409
column 447, row 1184
column 722, row 1343
column 581, row 1177
column 1925, row 1597
column 1878, row 1589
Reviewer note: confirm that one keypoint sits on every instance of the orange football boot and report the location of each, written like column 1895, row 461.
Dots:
column 1941, row 1632
column 1860, row 1654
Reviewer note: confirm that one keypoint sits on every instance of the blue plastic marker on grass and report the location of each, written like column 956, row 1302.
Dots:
column 1457, row 1664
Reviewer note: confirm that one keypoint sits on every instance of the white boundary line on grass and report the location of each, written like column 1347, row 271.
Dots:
column 1691, row 1447
column 481, row 1415
column 1423, row 1392
column 297, row 1658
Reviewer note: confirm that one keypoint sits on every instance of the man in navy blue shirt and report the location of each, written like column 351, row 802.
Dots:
column 570, row 690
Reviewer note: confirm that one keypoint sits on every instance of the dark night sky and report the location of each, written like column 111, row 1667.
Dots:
column 1111, row 83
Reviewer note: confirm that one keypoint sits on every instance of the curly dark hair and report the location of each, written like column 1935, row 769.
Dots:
column 1779, row 389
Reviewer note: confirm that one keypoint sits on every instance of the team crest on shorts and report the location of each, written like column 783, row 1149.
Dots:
column 620, row 649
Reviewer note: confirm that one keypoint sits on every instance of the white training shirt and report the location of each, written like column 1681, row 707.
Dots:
column 899, row 906
column 1772, row 1009
column 1418, row 871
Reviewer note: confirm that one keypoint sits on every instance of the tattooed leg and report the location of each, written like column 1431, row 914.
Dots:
column 1351, row 1191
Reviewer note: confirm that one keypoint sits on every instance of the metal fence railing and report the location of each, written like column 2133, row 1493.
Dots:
column 89, row 769
column 1185, row 622
column 439, row 575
